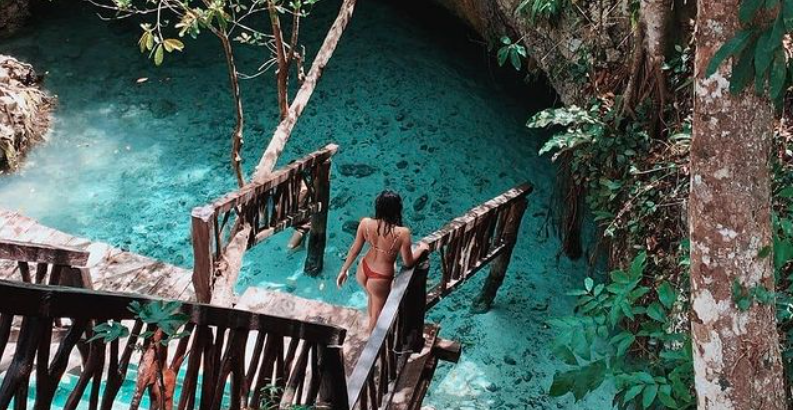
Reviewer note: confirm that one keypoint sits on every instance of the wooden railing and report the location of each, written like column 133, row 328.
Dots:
column 269, row 206
column 292, row 362
column 468, row 243
column 55, row 265
column 480, row 236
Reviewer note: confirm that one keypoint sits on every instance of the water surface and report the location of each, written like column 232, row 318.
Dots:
column 415, row 106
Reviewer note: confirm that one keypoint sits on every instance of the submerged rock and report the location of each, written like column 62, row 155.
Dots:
column 24, row 111
column 357, row 170
column 351, row 227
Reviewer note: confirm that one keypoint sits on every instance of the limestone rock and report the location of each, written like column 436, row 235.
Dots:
column 24, row 111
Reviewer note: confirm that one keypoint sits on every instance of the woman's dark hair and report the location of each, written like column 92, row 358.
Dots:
column 388, row 211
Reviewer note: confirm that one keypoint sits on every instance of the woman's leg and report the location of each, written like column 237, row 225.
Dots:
column 378, row 294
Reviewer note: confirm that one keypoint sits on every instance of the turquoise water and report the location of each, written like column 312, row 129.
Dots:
column 415, row 106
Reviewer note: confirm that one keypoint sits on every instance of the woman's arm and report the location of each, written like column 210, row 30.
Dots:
column 410, row 256
column 352, row 254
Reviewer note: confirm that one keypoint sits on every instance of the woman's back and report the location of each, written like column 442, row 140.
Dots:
column 384, row 241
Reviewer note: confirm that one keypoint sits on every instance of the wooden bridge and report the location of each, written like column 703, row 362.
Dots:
column 65, row 311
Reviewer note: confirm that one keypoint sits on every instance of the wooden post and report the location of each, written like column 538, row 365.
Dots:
column 203, row 252
column 414, row 308
column 500, row 264
column 319, row 221
column 333, row 382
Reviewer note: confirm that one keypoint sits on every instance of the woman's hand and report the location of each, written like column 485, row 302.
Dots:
column 422, row 247
column 341, row 278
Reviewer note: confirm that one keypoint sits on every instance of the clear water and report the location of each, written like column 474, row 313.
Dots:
column 414, row 105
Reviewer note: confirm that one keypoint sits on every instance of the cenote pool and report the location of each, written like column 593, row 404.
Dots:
column 415, row 104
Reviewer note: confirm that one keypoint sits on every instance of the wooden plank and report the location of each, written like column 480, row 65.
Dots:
column 447, row 350
column 287, row 305
column 407, row 393
column 438, row 238
column 39, row 253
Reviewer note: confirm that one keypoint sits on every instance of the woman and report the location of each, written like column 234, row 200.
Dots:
column 386, row 238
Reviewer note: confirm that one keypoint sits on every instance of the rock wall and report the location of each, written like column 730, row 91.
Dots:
column 24, row 111
column 13, row 14
column 557, row 47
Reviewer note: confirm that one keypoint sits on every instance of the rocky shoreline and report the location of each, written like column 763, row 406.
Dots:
column 24, row 111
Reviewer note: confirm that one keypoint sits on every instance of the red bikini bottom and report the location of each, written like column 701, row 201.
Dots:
column 372, row 274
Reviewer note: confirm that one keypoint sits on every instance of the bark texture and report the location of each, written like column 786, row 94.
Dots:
column 13, row 14
column 737, row 361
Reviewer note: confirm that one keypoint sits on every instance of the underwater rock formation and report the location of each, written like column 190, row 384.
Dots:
column 13, row 14
column 24, row 111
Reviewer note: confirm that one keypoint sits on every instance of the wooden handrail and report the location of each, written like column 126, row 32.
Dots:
column 26, row 299
column 287, row 197
column 41, row 253
column 466, row 244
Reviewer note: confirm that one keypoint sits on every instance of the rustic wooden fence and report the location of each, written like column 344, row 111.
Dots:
column 292, row 362
column 54, row 265
column 485, row 234
column 268, row 206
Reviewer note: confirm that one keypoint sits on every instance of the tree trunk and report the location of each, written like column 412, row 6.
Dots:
column 282, row 74
column 234, row 82
column 284, row 130
column 737, row 361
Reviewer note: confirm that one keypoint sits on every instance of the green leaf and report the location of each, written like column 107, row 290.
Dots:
column 633, row 392
column 503, row 54
column 562, row 383
column 762, row 58
column 505, row 40
column 172, row 44
column 648, row 396
column 514, row 58
column 742, row 71
column 665, row 397
column 637, row 266
column 778, row 75
column 589, row 284
column 732, row 47
column 783, row 252
column 566, row 355
column 666, row 294
column 748, row 9
column 656, row 312
column 786, row 192
column 158, row 54
column 764, row 252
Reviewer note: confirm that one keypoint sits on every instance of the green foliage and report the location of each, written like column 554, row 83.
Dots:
column 109, row 331
column 680, row 67
column 165, row 316
column 613, row 319
column 758, row 51
column 545, row 10
column 601, row 154
column 514, row 52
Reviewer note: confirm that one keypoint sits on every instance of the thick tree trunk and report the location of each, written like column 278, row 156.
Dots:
column 737, row 361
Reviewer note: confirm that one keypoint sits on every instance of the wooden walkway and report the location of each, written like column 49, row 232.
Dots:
column 116, row 270
column 111, row 269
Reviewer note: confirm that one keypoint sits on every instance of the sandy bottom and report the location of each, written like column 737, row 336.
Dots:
column 414, row 107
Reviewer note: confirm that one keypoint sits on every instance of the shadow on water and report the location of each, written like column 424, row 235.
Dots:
column 413, row 99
